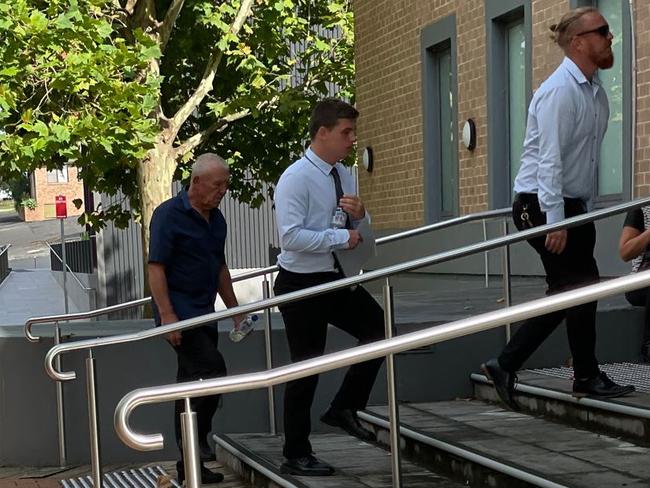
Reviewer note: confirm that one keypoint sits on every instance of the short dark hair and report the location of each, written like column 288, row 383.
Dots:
column 327, row 112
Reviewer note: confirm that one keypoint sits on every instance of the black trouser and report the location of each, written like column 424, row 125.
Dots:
column 641, row 298
column 198, row 358
column 573, row 268
column 305, row 321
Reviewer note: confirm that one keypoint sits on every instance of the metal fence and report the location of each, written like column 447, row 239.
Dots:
column 79, row 256
column 4, row 262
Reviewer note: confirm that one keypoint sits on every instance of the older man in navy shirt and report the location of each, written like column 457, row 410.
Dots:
column 187, row 268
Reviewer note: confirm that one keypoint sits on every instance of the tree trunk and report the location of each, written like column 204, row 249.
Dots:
column 155, row 175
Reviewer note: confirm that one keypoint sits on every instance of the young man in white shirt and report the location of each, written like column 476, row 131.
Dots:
column 310, row 199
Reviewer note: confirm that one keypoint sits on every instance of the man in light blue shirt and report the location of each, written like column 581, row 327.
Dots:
column 317, row 213
column 567, row 120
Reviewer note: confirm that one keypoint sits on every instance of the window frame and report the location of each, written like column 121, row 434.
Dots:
column 499, row 16
column 434, row 39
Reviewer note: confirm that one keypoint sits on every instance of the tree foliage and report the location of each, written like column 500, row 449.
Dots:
column 127, row 89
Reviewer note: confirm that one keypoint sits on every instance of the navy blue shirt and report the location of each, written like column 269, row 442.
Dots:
column 192, row 251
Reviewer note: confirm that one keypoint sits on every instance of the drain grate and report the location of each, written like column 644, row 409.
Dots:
column 622, row 373
column 133, row 478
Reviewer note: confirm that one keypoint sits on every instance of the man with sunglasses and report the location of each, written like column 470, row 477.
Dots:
column 567, row 120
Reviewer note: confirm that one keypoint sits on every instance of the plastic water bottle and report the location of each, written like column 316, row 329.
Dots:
column 245, row 327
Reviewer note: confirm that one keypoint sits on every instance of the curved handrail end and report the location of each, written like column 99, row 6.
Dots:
column 140, row 442
column 52, row 371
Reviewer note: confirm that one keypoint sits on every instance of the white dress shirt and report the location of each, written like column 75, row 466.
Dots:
column 305, row 201
column 567, row 120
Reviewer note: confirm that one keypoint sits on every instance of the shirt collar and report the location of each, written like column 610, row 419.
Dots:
column 185, row 199
column 322, row 165
column 578, row 75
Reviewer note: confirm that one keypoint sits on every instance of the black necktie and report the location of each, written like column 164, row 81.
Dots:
column 339, row 193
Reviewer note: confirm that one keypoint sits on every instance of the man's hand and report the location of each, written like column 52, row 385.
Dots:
column 355, row 238
column 238, row 319
column 353, row 206
column 556, row 241
column 174, row 338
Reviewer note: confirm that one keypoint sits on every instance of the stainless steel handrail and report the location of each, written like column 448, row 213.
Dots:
column 413, row 340
column 83, row 287
column 115, row 308
column 489, row 214
column 5, row 249
column 328, row 287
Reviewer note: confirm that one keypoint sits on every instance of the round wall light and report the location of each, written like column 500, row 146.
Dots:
column 469, row 134
column 367, row 158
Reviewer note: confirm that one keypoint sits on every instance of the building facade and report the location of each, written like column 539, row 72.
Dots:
column 46, row 186
column 425, row 68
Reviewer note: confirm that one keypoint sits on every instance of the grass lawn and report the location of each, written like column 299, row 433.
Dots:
column 6, row 205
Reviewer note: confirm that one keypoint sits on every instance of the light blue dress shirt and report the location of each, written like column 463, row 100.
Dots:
column 567, row 120
column 305, row 201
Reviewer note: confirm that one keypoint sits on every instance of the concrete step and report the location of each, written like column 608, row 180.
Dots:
column 548, row 393
column 489, row 446
column 257, row 459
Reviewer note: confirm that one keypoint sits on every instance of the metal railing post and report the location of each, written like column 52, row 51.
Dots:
column 486, row 257
column 190, row 440
column 266, row 293
column 65, row 273
column 506, row 275
column 93, row 426
column 60, row 410
column 393, row 409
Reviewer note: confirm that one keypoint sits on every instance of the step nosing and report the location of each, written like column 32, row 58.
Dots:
column 618, row 406
column 465, row 452
column 256, row 462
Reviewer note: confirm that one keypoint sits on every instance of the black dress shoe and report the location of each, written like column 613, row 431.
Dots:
column 207, row 477
column 206, row 453
column 306, row 466
column 600, row 386
column 503, row 381
column 347, row 420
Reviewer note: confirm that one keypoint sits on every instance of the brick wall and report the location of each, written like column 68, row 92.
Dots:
column 45, row 192
column 389, row 97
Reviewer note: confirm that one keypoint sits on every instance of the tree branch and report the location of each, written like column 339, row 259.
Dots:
column 167, row 25
column 199, row 138
column 130, row 6
column 205, row 85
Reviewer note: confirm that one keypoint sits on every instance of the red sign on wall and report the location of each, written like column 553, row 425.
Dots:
column 61, row 207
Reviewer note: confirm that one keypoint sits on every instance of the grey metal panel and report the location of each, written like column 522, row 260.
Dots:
column 121, row 252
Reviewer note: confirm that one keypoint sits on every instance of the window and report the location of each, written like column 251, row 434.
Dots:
column 614, row 174
column 440, row 119
column 508, row 27
column 58, row 175
column 610, row 170
column 516, row 59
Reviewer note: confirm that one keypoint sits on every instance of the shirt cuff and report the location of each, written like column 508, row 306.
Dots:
column 366, row 218
column 340, row 238
column 555, row 215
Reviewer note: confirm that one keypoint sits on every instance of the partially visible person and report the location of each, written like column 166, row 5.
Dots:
column 567, row 120
column 187, row 268
column 634, row 245
column 318, row 213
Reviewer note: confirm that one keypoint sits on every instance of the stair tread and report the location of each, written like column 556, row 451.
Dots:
column 639, row 378
column 561, row 453
column 358, row 464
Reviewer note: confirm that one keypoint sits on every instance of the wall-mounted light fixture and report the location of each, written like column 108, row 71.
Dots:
column 469, row 134
column 367, row 158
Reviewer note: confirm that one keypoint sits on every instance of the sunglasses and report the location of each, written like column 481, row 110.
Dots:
column 602, row 31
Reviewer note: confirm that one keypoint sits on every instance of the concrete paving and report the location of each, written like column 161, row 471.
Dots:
column 30, row 293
